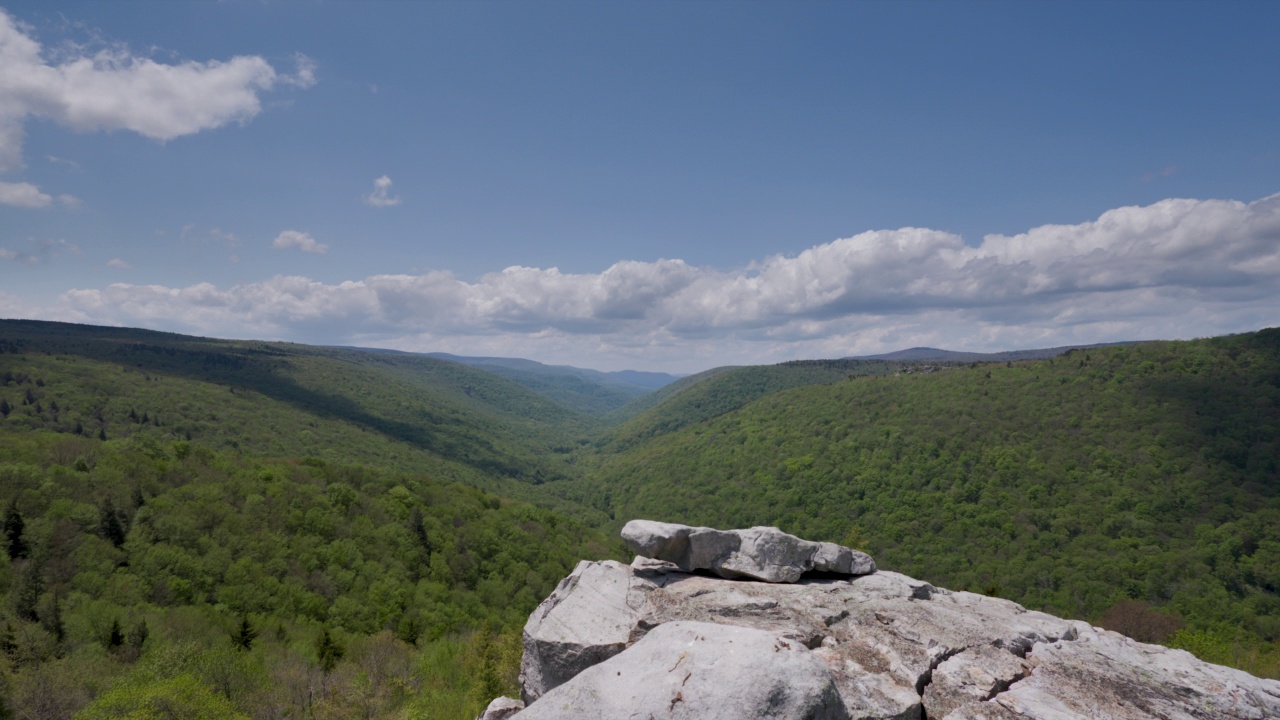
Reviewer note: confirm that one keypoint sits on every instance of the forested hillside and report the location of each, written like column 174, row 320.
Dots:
column 401, row 411
column 236, row 528
column 1146, row 473
column 586, row 391
column 719, row 391
column 146, row 571
column 248, row 529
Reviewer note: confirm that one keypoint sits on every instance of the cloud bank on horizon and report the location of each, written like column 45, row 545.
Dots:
column 1175, row 269
column 654, row 219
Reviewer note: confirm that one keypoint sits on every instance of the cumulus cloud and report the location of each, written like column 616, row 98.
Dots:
column 381, row 195
column 299, row 240
column 115, row 89
column 1177, row 268
column 23, row 195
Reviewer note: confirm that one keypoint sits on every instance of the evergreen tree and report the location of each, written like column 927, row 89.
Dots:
column 109, row 525
column 5, row 408
column 51, row 621
column 244, row 636
column 115, row 638
column 26, row 597
column 138, row 637
column 14, row 526
column 9, row 643
column 328, row 651
column 420, row 531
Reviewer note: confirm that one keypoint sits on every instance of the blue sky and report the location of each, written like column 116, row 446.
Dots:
column 665, row 186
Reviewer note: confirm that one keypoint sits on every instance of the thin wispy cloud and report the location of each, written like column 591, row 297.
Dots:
column 299, row 240
column 118, row 264
column 1167, row 269
column 1168, row 171
column 69, row 164
column 381, row 195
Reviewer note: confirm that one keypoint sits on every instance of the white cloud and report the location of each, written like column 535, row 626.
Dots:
column 299, row 240
column 381, row 195
column 304, row 74
column 69, row 164
column 1177, row 268
column 23, row 195
column 118, row 264
column 114, row 89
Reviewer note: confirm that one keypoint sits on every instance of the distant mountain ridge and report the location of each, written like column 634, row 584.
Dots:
column 937, row 354
column 591, row 392
column 644, row 379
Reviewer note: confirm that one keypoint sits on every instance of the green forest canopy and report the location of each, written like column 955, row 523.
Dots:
column 244, row 528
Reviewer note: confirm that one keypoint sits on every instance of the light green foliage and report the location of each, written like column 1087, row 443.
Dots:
column 306, row 490
column 183, row 696
column 723, row 390
column 1147, row 472
column 219, row 537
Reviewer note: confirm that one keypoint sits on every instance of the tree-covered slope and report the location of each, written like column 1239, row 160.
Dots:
column 936, row 354
column 231, row 529
column 406, row 412
column 659, row 396
column 139, row 573
column 715, row 392
column 1149, row 472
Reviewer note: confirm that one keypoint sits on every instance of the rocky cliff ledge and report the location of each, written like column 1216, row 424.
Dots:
column 759, row 624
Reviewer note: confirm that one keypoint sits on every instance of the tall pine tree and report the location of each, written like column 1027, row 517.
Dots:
column 14, row 526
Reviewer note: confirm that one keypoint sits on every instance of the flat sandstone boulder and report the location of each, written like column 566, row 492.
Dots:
column 758, row 553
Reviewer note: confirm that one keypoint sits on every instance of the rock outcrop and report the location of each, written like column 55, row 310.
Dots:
column 501, row 709
column 758, row 553
column 699, row 670
column 614, row 640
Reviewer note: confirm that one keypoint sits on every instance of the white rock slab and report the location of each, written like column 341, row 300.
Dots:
column 699, row 670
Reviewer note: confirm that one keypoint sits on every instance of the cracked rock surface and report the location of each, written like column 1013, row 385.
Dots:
column 688, row 669
column 652, row 640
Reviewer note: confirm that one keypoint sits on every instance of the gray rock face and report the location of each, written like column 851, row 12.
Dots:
column 891, row 647
column 587, row 619
column 501, row 709
column 699, row 670
column 759, row 553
